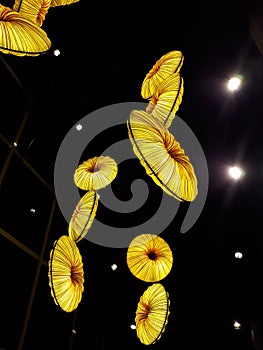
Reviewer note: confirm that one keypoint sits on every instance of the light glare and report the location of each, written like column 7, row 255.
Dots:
column 238, row 255
column 234, row 83
column 237, row 325
column 114, row 267
column 235, row 172
column 56, row 52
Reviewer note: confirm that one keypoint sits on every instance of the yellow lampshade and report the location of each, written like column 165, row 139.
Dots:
column 83, row 216
column 168, row 64
column 62, row 2
column 65, row 273
column 149, row 257
column 95, row 173
column 33, row 10
column 152, row 314
column 162, row 156
column 166, row 100
column 19, row 36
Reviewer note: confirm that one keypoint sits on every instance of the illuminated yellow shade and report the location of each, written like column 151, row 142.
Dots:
column 149, row 257
column 62, row 2
column 83, row 216
column 166, row 100
column 19, row 36
column 65, row 273
column 95, row 173
column 162, row 156
column 168, row 64
column 152, row 314
column 34, row 10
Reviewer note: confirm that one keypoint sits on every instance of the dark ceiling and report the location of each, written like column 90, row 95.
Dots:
column 106, row 50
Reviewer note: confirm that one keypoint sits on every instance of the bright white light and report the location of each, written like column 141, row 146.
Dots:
column 234, row 83
column 79, row 127
column 56, row 52
column 33, row 210
column 237, row 325
column 15, row 144
column 114, row 267
column 98, row 196
column 132, row 326
column 235, row 172
column 238, row 255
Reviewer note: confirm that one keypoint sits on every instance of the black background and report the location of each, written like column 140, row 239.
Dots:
column 106, row 51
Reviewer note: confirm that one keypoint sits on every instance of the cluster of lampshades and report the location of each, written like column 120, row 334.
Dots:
column 149, row 257
column 21, row 32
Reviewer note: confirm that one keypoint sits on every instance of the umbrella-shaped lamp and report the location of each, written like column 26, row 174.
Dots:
column 95, row 173
column 20, row 36
column 66, row 274
column 152, row 314
column 34, row 10
column 83, row 216
column 149, row 257
column 162, row 156
column 166, row 100
column 168, row 64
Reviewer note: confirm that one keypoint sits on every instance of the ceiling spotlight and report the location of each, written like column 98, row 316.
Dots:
column 132, row 326
column 56, row 52
column 234, row 83
column 32, row 210
column 79, row 127
column 114, row 267
column 237, row 325
column 235, row 172
column 238, row 255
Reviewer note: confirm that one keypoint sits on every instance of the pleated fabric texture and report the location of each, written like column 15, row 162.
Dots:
column 162, row 156
column 152, row 314
column 95, row 173
column 169, row 63
column 20, row 36
column 149, row 257
column 83, row 216
column 66, row 274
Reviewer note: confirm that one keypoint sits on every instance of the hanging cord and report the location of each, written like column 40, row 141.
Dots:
column 24, row 119
column 73, row 331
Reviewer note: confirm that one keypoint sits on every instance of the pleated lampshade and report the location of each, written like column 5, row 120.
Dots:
column 152, row 314
column 166, row 100
column 162, row 156
column 20, row 36
column 95, row 173
column 66, row 274
column 169, row 63
column 34, row 10
column 83, row 216
column 149, row 257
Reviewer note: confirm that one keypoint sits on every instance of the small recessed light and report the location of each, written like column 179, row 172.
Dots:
column 32, row 210
column 114, row 267
column 79, row 127
column 132, row 326
column 235, row 172
column 238, row 255
column 56, row 52
column 15, row 144
column 237, row 325
column 234, row 83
